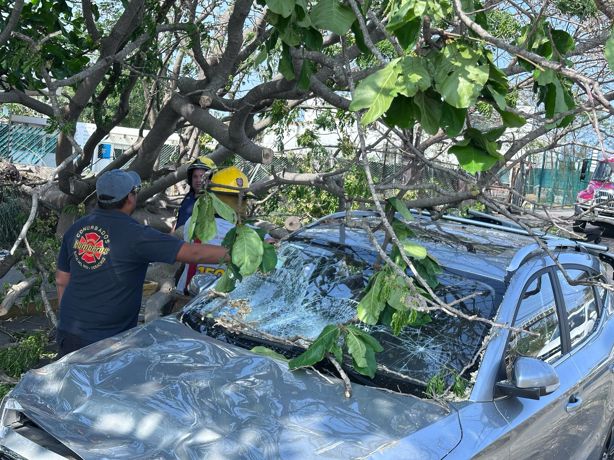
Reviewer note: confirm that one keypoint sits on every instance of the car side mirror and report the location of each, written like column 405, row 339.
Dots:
column 200, row 282
column 531, row 378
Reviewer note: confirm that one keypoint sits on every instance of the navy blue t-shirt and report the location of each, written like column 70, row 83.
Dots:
column 107, row 254
column 185, row 208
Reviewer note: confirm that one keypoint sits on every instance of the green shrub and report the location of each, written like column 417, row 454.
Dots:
column 16, row 360
column 13, row 215
column 4, row 389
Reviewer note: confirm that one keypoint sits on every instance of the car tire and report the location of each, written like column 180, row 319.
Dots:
column 578, row 226
column 608, row 446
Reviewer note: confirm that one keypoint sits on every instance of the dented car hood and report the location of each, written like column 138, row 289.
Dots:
column 166, row 391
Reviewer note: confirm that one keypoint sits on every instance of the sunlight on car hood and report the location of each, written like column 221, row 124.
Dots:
column 166, row 391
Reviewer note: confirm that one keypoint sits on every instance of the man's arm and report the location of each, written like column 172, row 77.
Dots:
column 192, row 253
column 61, row 281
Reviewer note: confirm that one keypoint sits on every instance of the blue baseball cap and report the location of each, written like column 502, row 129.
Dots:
column 116, row 184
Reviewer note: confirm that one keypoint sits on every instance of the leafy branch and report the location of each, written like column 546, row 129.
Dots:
column 248, row 252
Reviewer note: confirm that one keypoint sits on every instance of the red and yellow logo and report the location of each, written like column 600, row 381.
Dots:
column 91, row 247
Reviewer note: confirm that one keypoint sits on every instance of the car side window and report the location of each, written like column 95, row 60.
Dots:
column 537, row 316
column 581, row 306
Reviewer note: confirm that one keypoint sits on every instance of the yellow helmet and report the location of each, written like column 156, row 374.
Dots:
column 232, row 177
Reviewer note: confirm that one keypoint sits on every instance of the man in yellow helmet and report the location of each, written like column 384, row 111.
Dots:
column 198, row 173
column 229, row 185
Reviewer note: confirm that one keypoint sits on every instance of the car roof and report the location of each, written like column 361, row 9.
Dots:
column 484, row 249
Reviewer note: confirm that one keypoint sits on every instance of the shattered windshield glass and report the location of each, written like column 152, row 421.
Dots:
column 316, row 285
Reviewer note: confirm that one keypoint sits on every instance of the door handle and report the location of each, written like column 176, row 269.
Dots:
column 574, row 403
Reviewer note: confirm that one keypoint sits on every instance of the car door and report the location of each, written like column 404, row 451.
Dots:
column 591, row 339
column 544, row 428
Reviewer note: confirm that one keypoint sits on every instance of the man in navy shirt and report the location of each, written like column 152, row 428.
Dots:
column 103, row 261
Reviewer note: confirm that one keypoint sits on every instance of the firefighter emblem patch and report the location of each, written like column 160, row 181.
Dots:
column 91, row 247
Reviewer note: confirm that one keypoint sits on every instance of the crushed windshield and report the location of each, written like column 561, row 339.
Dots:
column 603, row 171
column 314, row 286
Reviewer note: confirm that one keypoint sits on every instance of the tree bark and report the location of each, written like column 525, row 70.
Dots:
column 606, row 7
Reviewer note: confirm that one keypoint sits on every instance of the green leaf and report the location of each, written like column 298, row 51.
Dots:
column 414, row 76
column 371, row 367
column 407, row 11
column 360, row 39
column 386, row 316
column 402, row 230
column 288, row 32
column 452, row 119
column 497, row 80
column 459, row 77
column 307, row 70
column 368, row 339
column 497, row 97
column 563, row 42
column 264, row 351
column 609, row 51
column 205, row 228
column 285, row 64
column 227, row 282
column 414, row 250
column 556, row 96
column 544, row 77
column 269, row 257
column 260, row 57
column 247, row 250
column 400, row 208
column 376, row 92
column 313, row 39
column 356, row 348
column 420, row 319
column 223, row 210
column 337, row 353
column 193, row 220
column 302, row 14
column 371, row 305
column 397, row 298
column 493, row 134
column 400, row 319
column 325, row 342
column 471, row 158
column 282, row 7
column 428, row 269
column 409, row 33
column 229, row 238
column 362, row 348
column 332, row 15
column 511, row 120
column 402, row 112
column 439, row 9
column 430, row 107
column 485, row 141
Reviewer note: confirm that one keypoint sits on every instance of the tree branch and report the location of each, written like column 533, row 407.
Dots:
column 11, row 23
column 86, row 9
column 15, row 292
